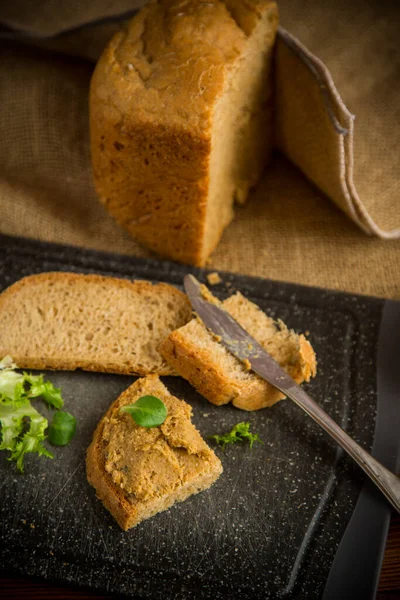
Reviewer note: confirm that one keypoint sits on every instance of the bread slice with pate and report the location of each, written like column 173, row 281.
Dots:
column 220, row 377
column 72, row 321
column 138, row 472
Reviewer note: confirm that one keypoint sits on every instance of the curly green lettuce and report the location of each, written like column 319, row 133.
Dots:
column 239, row 433
column 22, row 426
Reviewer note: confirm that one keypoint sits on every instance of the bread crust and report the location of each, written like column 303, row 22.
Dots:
column 152, row 99
column 213, row 383
column 155, row 186
column 38, row 361
column 265, row 394
column 126, row 513
column 197, row 363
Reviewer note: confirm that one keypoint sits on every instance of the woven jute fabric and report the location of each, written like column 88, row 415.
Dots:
column 330, row 200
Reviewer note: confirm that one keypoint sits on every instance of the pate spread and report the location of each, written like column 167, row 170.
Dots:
column 149, row 463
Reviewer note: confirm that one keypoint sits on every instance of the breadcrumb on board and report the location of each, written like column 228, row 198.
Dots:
column 214, row 278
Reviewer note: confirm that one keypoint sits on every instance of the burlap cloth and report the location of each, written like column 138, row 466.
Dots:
column 290, row 229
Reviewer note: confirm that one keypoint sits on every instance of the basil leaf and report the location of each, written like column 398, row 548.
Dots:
column 148, row 411
column 62, row 428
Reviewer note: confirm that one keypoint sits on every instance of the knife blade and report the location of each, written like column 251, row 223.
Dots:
column 238, row 342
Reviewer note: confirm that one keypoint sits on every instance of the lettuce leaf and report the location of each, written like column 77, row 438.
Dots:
column 45, row 389
column 22, row 426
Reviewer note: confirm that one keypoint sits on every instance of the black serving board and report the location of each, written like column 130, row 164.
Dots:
column 269, row 527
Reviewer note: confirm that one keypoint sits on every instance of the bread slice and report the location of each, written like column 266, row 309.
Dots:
column 139, row 472
column 71, row 321
column 222, row 378
column 181, row 120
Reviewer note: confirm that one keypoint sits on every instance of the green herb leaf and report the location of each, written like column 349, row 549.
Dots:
column 238, row 433
column 36, row 386
column 14, row 416
column 62, row 428
column 12, row 385
column 148, row 411
column 31, row 440
column 22, row 427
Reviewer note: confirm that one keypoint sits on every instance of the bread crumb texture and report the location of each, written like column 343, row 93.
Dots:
column 218, row 375
column 181, row 120
column 138, row 472
column 68, row 321
column 214, row 278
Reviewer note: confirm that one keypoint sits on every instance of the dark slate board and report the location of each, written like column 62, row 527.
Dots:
column 269, row 527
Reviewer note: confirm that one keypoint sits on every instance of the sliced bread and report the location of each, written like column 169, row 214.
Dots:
column 139, row 472
column 222, row 378
column 72, row 321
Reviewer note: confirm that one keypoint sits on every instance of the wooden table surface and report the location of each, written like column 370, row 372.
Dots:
column 34, row 589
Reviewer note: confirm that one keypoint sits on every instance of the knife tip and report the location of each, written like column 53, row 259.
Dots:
column 189, row 281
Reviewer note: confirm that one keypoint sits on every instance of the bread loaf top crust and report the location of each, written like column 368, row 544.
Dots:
column 169, row 65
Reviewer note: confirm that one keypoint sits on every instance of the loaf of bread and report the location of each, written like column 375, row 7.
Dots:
column 180, row 120
column 219, row 376
column 138, row 472
column 71, row 321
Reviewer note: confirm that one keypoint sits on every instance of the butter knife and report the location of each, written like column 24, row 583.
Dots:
column 239, row 343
